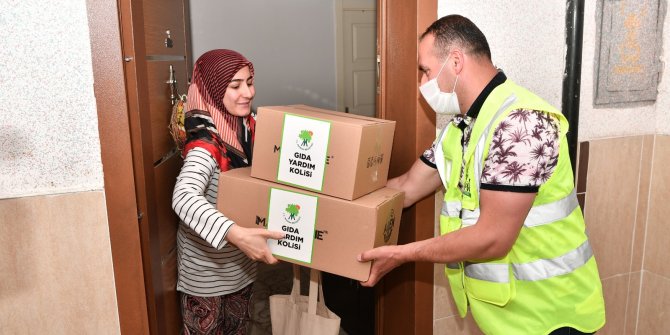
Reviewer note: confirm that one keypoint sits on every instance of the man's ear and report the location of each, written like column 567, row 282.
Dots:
column 457, row 60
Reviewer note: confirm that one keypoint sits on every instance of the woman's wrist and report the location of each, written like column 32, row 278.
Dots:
column 233, row 233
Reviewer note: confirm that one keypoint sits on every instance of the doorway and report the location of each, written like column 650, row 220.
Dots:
column 407, row 288
column 357, row 58
column 296, row 47
column 317, row 53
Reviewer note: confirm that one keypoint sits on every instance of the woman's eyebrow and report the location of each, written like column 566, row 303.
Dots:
column 241, row 79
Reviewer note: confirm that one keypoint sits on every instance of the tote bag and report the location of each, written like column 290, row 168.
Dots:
column 296, row 314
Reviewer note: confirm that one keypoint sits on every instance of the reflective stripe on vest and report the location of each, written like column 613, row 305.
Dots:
column 553, row 211
column 442, row 169
column 536, row 270
column 537, row 216
column 451, row 209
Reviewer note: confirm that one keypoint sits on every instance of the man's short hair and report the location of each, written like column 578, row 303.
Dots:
column 457, row 30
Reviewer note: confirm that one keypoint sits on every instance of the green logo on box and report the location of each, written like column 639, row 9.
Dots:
column 292, row 213
column 305, row 139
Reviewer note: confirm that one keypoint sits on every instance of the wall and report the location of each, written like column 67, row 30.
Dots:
column 543, row 72
column 608, row 122
column 654, row 303
column 663, row 113
column 536, row 60
column 290, row 42
column 55, row 258
column 49, row 132
column 627, row 222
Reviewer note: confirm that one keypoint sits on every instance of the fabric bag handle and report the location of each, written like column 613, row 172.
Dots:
column 295, row 291
column 314, row 285
column 316, row 297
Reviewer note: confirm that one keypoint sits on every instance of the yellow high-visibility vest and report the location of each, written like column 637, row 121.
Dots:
column 549, row 279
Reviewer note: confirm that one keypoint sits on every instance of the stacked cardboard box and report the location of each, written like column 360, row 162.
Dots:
column 318, row 176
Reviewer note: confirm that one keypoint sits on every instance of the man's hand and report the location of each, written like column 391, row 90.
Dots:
column 384, row 259
column 253, row 242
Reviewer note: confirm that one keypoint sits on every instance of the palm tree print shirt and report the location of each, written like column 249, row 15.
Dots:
column 524, row 149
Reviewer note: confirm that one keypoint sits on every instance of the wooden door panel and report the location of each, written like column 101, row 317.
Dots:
column 166, row 220
column 156, row 163
column 160, row 107
column 160, row 16
column 170, row 295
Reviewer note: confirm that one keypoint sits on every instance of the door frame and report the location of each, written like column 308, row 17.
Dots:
column 117, row 165
column 400, row 23
column 410, row 285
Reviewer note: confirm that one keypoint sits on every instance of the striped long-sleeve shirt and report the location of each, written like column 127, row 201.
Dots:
column 208, row 265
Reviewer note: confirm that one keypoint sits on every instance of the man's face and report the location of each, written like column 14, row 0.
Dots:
column 430, row 64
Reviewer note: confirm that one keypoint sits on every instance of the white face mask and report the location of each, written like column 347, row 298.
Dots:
column 440, row 102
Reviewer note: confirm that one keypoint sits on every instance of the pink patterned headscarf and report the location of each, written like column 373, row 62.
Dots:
column 212, row 73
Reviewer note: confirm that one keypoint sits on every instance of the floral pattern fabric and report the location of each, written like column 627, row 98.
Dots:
column 221, row 315
column 523, row 152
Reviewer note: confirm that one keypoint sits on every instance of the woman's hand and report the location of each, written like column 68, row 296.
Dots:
column 253, row 242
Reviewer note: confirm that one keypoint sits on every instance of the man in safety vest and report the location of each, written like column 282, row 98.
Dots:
column 511, row 231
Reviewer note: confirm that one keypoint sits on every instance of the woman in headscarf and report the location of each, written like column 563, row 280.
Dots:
column 216, row 257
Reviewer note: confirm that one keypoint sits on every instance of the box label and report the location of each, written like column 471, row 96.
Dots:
column 304, row 146
column 295, row 215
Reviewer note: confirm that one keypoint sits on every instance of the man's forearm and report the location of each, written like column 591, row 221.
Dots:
column 464, row 244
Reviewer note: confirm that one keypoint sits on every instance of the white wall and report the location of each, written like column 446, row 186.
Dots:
column 49, row 139
column 515, row 28
column 290, row 42
column 527, row 39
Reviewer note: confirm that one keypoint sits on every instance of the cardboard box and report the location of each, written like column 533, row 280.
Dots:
column 323, row 232
column 333, row 153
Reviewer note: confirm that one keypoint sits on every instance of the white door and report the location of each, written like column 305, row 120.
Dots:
column 359, row 61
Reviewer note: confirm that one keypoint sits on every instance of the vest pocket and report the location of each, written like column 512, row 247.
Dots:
column 484, row 284
column 454, row 274
column 454, row 271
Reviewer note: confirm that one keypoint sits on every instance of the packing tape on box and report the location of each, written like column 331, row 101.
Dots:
column 379, row 156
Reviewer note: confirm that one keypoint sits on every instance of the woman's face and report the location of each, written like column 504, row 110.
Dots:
column 239, row 93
